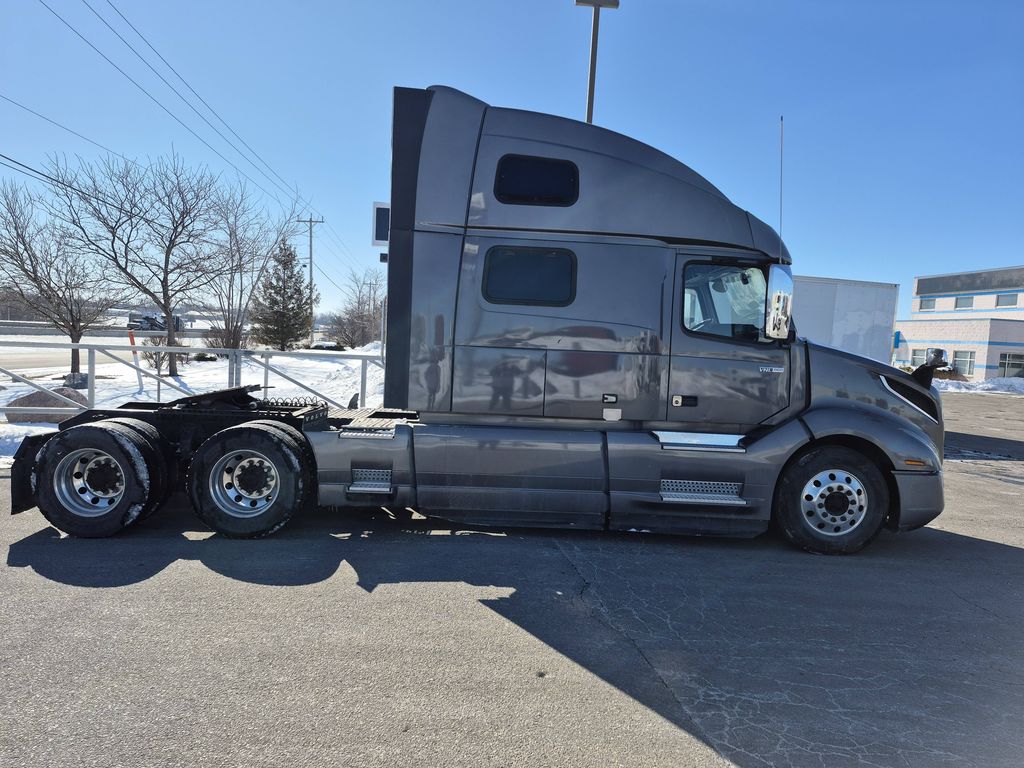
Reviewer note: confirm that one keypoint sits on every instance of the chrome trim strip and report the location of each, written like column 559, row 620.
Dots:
column 885, row 383
column 370, row 487
column 703, row 498
column 699, row 441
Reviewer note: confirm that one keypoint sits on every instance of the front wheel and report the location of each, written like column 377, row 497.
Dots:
column 248, row 480
column 831, row 500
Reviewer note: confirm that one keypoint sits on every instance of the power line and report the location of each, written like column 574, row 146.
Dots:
column 37, row 175
column 183, row 99
column 329, row 248
column 28, row 170
column 195, row 93
column 19, row 170
column 328, row 278
column 63, row 127
column 294, row 195
column 157, row 101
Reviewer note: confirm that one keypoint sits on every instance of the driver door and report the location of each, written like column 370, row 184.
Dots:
column 725, row 375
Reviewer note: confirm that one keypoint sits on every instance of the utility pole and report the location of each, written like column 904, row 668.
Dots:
column 597, row 5
column 312, row 308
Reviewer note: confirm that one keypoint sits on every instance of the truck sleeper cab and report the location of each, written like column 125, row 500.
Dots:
column 581, row 332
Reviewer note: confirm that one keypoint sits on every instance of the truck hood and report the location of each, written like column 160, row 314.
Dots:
column 842, row 379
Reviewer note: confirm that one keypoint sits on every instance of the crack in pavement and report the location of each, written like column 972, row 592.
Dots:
column 600, row 612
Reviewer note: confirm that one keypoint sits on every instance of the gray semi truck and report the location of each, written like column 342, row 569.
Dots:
column 582, row 332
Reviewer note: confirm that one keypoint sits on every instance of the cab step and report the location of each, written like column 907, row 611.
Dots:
column 702, row 492
column 371, row 481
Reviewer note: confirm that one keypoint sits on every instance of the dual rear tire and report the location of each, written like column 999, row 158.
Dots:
column 94, row 480
column 247, row 481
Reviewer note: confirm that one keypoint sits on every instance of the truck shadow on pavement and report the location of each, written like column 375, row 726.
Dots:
column 966, row 445
column 908, row 653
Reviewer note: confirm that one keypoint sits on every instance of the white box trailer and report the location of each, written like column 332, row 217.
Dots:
column 855, row 316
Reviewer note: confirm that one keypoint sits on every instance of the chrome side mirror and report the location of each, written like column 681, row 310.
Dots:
column 778, row 309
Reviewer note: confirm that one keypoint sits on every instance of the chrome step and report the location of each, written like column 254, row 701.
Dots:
column 371, row 481
column 702, row 492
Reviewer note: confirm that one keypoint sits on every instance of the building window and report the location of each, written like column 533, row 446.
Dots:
column 1006, row 300
column 926, row 304
column 963, row 363
column 964, row 302
column 1011, row 365
column 525, row 180
column 540, row 276
column 918, row 357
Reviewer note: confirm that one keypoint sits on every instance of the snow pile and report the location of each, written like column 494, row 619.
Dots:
column 11, row 434
column 1011, row 384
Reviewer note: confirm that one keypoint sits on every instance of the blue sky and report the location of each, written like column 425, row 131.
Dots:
column 904, row 120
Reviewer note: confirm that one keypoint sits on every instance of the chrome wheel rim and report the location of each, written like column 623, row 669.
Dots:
column 88, row 482
column 244, row 483
column 834, row 502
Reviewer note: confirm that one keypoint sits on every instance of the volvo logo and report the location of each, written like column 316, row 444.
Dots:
column 772, row 369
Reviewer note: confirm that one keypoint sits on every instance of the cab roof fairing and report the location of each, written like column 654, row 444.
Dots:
column 626, row 187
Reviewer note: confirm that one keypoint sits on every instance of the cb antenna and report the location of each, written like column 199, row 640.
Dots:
column 782, row 137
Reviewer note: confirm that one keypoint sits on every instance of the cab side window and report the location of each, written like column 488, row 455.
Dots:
column 729, row 300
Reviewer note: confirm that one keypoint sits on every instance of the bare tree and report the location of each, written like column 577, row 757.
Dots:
column 149, row 225
column 11, row 305
column 248, row 237
column 46, row 272
column 358, row 322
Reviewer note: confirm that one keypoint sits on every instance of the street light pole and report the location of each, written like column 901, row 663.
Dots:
column 597, row 5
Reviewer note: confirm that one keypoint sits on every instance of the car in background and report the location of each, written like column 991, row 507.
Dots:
column 325, row 344
column 138, row 321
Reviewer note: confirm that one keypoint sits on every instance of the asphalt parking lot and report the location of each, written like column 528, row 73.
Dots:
column 361, row 640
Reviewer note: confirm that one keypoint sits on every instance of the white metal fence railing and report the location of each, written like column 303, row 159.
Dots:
column 260, row 360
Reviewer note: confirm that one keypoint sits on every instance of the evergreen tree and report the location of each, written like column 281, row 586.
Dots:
column 281, row 309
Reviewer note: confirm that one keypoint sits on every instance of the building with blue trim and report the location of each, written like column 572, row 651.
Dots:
column 977, row 317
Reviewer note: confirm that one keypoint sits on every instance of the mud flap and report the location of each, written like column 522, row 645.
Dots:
column 23, row 495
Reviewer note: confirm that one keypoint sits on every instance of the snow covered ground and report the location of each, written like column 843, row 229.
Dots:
column 328, row 375
column 1012, row 385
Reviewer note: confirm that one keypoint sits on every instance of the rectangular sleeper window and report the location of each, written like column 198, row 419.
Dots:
column 926, row 304
column 537, row 276
column 964, row 302
column 527, row 180
column 1006, row 300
